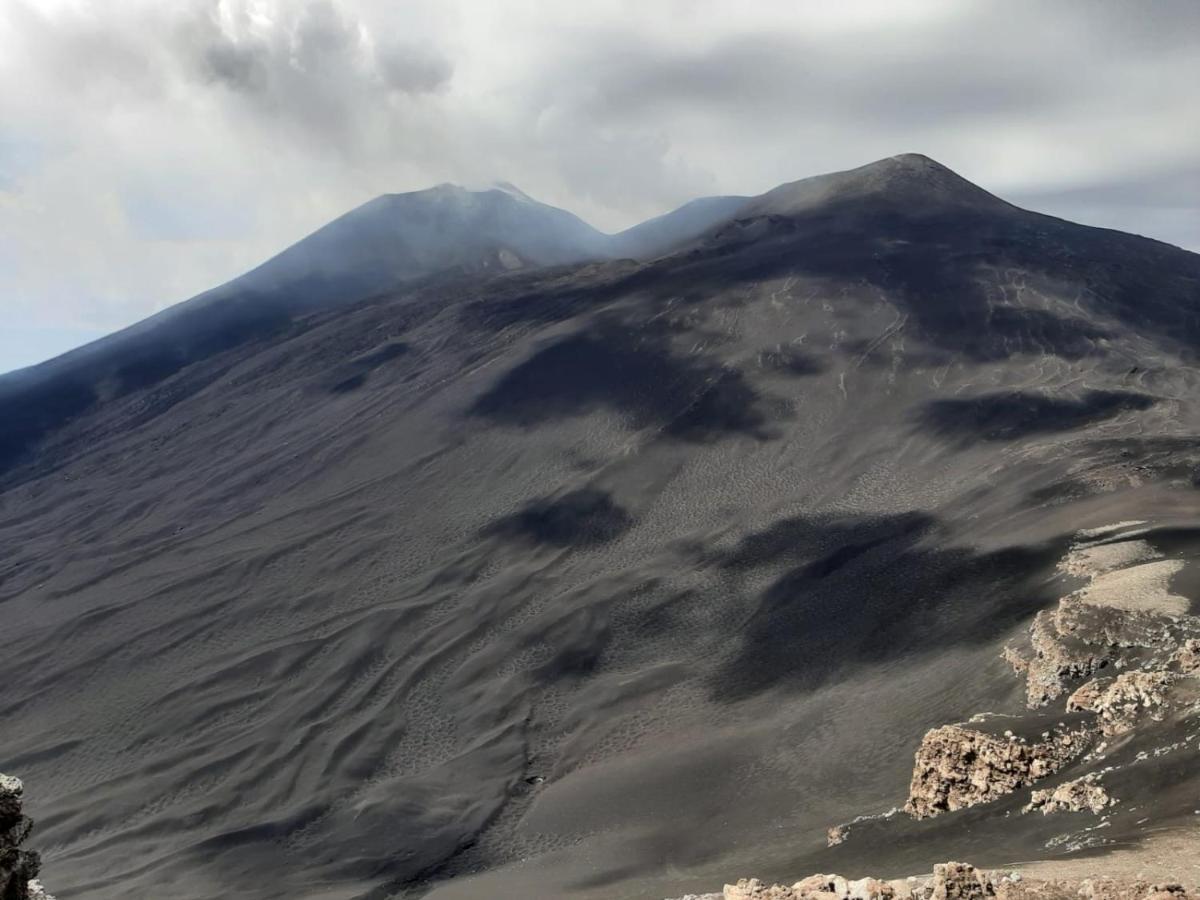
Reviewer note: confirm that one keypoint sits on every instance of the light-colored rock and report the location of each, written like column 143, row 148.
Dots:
column 870, row 889
column 815, row 884
column 1081, row 794
column 1122, row 701
column 837, row 835
column 753, row 889
column 1188, row 657
column 955, row 881
column 957, row 767
column 1076, row 640
column 960, row 881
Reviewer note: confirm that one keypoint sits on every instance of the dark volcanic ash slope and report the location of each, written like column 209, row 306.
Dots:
column 394, row 242
column 607, row 581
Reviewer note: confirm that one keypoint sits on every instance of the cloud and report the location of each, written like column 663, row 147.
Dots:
column 412, row 68
column 1162, row 202
column 151, row 150
column 310, row 69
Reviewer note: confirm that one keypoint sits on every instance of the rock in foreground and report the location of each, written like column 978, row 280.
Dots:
column 18, row 867
column 957, row 767
column 951, row 881
column 1086, row 793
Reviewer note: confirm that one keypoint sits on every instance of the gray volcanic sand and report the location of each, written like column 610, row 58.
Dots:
column 600, row 583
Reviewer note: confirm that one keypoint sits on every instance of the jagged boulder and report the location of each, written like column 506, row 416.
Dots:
column 1123, row 701
column 957, row 767
column 1188, row 657
column 753, row 889
column 821, row 884
column 960, row 881
column 871, row 889
column 1086, row 793
column 816, row 887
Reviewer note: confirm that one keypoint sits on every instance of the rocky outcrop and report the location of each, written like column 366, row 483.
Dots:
column 1124, row 615
column 1125, row 654
column 820, row 887
column 1076, row 640
column 753, row 889
column 960, row 881
column 18, row 867
column 1122, row 701
column 957, row 767
column 1120, row 649
column 1086, row 793
column 952, row 881
column 1187, row 658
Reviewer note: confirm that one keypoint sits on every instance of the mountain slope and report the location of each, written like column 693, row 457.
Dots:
column 668, row 232
column 402, row 237
column 443, row 233
column 603, row 581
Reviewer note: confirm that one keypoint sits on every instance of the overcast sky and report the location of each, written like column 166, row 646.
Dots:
column 150, row 149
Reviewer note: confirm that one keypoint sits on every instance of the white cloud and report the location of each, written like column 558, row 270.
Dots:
column 149, row 150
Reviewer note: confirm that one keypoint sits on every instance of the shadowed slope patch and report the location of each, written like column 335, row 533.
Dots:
column 581, row 518
column 355, row 373
column 1016, row 414
column 863, row 590
column 36, row 403
column 30, row 416
column 631, row 370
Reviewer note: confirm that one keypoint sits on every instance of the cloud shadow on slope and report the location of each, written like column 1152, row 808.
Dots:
column 581, row 518
column 37, row 402
column 1008, row 415
column 632, row 370
column 858, row 591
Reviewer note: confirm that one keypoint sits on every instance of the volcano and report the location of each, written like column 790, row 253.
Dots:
column 462, row 551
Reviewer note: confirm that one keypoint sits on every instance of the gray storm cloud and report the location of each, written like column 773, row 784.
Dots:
column 314, row 67
column 149, row 151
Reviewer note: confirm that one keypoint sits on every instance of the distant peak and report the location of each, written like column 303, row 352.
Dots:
column 912, row 181
column 448, row 191
column 482, row 187
column 511, row 189
column 911, row 166
column 919, row 160
column 445, row 189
